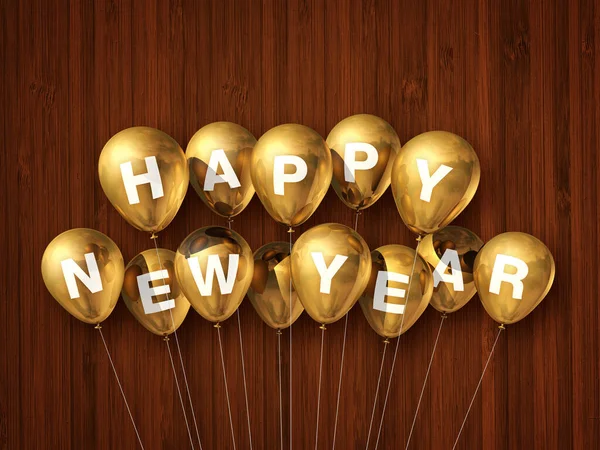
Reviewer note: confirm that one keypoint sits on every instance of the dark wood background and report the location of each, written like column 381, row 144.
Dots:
column 518, row 79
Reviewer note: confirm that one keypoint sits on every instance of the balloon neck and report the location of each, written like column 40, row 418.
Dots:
column 501, row 327
column 154, row 235
column 323, row 327
column 98, row 326
column 217, row 325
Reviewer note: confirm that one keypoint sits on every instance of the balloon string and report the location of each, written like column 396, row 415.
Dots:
column 99, row 328
column 280, row 387
column 387, row 394
column 244, row 376
column 290, row 231
column 319, row 391
column 386, row 342
column 218, row 327
column 229, row 222
column 337, row 406
column 501, row 328
column 187, row 386
column 187, row 425
column 425, row 380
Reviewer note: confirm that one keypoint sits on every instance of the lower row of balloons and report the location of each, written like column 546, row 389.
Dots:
column 331, row 269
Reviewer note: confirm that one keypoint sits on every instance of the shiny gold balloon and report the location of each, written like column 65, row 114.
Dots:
column 201, row 244
column 450, row 195
column 368, row 184
column 466, row 244
column 237, row 143
column 502, row 307
column 164, row 322
column 301, row 198
column 75, row 244
column 397, row 259
column 271, row 285
column 347, row 283
column 134, row 145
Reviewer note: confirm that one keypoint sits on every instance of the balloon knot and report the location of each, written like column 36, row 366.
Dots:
column 217, row 325
column 290, row 230
column 419, row 238
column 501, row 327
column 98, row 327
column 279, row 333
column 154, row 236
column 166, row 338
column 444, row 315
column 323, row 327
column 386, row 341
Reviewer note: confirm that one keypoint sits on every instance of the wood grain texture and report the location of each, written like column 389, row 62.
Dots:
column 518, row 79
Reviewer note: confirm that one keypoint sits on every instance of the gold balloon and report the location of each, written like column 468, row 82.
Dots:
column 75, row 244
column 369, row 184
column 161, row 323
column 271, row 284
column 300, row 199
column 450, row 196
column 466, row 244
column 134, row 145
column 502, row 307
column 349, row 281
column 237, row 144
column 398, row 259
column 222, row 242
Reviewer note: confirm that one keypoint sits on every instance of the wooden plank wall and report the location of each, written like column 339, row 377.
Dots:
column 519, row 79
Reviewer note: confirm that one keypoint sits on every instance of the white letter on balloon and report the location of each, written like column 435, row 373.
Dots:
column 279, row 175
column 71, row 270
column 499, row 275
column 147, row 292
column 218, row 158
column 455, row 277
column 132, row 181
column 213, row 266
column 382, row 290
column 350, row 163
column 429, row 182
column 327, row 273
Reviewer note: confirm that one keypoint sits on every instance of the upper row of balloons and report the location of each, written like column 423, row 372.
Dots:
column 433, row 176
